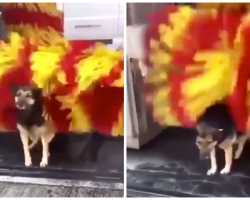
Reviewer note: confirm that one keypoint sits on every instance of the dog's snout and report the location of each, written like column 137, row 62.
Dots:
column 21, row 104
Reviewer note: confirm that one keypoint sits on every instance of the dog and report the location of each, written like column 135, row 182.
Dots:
column 216, row 128
column 31, row 121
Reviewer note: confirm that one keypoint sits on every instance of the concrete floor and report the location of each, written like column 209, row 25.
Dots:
column 170, row 166
column 24, row 190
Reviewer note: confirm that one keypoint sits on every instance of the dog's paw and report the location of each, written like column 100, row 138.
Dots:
column 44, row 162
column 237, row 156
column 28, row 163
column 226, row 170
column 212, row 171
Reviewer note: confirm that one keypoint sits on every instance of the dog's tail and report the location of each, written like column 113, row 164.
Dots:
column 34, row 142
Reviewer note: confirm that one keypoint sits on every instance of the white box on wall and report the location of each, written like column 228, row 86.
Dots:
column 93, row 21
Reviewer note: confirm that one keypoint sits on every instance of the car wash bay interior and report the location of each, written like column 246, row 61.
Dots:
column 65, row 167
column 166, row 162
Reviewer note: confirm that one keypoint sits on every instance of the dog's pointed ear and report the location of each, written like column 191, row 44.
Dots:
column 14, row 88
column 37, row 93
column 199, row 129
column 202, row 128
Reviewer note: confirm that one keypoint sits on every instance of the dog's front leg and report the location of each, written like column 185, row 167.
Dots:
column 25, row 141
column 229, row 158
column 45, row 155
column 213, row 168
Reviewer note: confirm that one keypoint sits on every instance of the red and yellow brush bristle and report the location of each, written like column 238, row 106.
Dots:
column 197, row 59
column 15, row 69
column 41, row 22
column 75, row 85
column 92, row 106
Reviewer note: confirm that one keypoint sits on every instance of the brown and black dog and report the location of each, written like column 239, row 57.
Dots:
column 31, row 121
column 216, row 128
